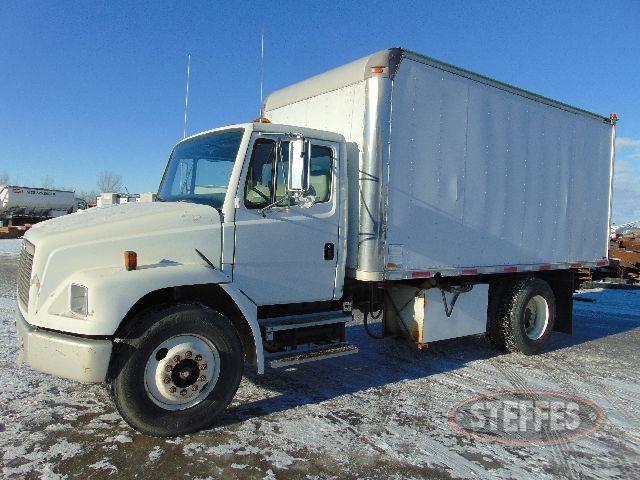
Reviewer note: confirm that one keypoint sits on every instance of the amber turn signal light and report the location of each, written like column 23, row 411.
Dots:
column 130, row 260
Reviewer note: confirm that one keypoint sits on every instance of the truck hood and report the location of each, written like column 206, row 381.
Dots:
column 127, row 219
column 159, row 232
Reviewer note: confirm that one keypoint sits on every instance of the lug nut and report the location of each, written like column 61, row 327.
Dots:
column 167, row 380
column 194, row 387
column 168, row 368
column 188, row 354
column 202, row 378
column 183, row 393
column 198, row 358
column 203, row 366
column 172, row 389
column 176, row 358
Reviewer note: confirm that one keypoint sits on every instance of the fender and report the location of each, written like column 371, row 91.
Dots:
column 250, row 312
column 111, row 294
column 113, row 291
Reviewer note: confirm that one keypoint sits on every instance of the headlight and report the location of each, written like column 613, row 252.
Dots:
column 78, row 299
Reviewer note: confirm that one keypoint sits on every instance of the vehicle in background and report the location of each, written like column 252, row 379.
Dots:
column 81, row 204
column 440, row 201
column 110, row 199
column 28, row 205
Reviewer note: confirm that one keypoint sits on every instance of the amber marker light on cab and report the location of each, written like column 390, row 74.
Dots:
column 130, row 260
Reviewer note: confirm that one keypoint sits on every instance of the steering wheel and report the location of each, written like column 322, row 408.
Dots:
column 255, row 190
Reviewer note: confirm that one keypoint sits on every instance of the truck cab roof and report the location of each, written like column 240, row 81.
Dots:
column 274, row 128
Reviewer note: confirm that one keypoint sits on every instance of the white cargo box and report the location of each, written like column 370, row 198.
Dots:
column 454, row 173
column 110, row 199
column 147, row 197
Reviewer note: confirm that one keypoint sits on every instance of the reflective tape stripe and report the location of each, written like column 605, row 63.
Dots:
column 420, row 274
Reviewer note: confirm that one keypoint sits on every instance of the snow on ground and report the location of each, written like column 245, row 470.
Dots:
column 378, row 414
column 10, row 247
column 621, row 303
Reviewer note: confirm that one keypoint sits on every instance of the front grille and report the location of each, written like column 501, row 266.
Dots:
column 24, row 273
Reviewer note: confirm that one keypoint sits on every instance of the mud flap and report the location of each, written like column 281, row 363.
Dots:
column 562, row 283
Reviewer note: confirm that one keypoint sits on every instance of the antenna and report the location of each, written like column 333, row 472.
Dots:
column 261, row 72
column 186, row 98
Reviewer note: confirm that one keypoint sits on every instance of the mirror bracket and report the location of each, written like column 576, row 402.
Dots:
column 263, row 211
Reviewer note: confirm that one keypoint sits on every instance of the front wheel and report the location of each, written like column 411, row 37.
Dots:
column 176, row 370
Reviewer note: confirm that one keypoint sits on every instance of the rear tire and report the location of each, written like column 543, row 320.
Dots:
column 526, row 315
column 176, row 370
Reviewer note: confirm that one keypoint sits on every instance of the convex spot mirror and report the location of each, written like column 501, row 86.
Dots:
column 298, row 180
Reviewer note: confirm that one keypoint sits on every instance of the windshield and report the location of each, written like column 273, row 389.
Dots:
column 199, row 169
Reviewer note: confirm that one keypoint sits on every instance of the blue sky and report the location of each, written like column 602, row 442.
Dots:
column 93, row 86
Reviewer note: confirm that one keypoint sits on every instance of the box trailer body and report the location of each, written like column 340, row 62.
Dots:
column 440, row 201
column 455, row 173
column 34, row 204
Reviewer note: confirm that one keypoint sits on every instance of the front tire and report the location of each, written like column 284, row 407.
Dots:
column 176, row 370
column 527, row 315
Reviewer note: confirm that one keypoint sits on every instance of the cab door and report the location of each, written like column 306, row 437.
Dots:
column 289, row 254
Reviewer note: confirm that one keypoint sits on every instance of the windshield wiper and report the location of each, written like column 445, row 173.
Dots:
column 203, row 257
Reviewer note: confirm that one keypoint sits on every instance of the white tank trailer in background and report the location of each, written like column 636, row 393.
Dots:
column 24, row 205
column 440, row 201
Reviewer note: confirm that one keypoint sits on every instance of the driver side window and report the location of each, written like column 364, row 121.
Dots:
column 268, row 169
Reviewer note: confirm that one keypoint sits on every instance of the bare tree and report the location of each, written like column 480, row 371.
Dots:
column 47, row 182
column 4, row 178
column 109, row 182
column 88, row 196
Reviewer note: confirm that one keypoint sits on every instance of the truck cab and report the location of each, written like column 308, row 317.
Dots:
column 243, row 172
column 248, row 235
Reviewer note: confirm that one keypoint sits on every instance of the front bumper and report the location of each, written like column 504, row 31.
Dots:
column 85, row 360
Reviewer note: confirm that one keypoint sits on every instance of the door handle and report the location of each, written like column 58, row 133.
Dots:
column 329, row 251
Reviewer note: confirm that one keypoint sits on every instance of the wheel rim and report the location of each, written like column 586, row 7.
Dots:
column 536, row 317
column 181, row 372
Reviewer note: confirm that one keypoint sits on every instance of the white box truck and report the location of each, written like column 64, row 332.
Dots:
column 20, row 205
column 444, row 202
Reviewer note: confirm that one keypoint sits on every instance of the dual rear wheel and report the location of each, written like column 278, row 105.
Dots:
column 524, row 316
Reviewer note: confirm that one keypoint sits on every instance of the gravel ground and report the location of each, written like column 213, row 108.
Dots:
column 379, row 414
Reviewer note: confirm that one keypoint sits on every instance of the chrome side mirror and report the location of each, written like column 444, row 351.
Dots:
column 298, row 179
